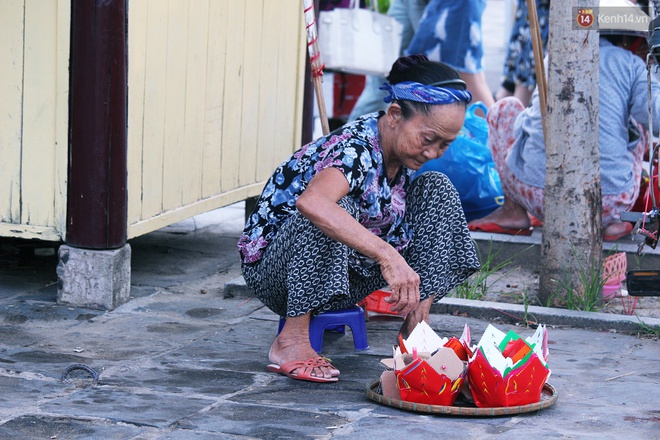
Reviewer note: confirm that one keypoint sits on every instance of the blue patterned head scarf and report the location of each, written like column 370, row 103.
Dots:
column 427, row 94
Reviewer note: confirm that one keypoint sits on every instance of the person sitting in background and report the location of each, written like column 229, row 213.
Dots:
column 517, row 144
column 341, row 218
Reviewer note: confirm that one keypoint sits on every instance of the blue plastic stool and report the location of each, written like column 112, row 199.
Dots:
column 335, row 321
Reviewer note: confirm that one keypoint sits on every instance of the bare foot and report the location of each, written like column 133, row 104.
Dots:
column 292, row 344
column 510, row 216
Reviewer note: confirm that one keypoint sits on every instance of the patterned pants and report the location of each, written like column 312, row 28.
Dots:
column 303, row 270
column 501, row 119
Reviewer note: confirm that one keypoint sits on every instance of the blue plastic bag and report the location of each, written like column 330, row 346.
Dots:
column 470, row 167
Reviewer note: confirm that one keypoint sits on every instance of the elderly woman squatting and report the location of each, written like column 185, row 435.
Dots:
column 342, row 217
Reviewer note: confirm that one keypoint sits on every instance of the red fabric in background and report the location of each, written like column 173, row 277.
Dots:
column 346, row 91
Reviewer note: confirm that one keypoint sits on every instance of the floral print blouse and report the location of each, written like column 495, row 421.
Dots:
column 355, row 150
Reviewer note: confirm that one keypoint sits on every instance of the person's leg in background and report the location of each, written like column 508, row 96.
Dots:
column 519, row 76
column 466, row 55
column 514, row 49
column 451, row 32
column 476, row 84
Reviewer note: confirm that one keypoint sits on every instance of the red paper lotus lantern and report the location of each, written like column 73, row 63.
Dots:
column 422, row 384
column 507, row 370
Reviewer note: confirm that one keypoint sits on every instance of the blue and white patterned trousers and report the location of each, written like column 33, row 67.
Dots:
column 303, row 270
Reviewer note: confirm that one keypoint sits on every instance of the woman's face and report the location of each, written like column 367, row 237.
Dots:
column 425, row 137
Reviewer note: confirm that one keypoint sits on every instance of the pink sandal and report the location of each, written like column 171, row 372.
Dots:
column 304, row 369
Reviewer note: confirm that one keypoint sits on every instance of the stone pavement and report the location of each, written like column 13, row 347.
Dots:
column 181, row 361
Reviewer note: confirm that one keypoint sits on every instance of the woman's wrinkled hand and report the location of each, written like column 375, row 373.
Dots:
column 404, row 283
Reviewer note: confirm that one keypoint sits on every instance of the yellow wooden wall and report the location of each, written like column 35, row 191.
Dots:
column 215, row 102
column 34, row 84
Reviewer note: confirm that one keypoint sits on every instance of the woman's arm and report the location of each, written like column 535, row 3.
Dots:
column 318, row 203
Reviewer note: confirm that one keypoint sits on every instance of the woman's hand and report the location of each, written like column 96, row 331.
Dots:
column 318, row 203
column 404, row 283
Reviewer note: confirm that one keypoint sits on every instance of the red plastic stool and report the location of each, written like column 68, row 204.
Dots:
column 335, row 321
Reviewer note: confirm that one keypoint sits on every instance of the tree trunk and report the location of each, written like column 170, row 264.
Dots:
column 572, row 238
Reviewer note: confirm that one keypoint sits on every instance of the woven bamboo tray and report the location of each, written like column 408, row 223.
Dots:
column 548, row 398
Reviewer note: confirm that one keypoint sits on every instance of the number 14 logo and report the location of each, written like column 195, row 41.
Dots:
column 585, row 17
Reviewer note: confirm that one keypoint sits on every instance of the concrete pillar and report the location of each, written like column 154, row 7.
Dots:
column 94, row 279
